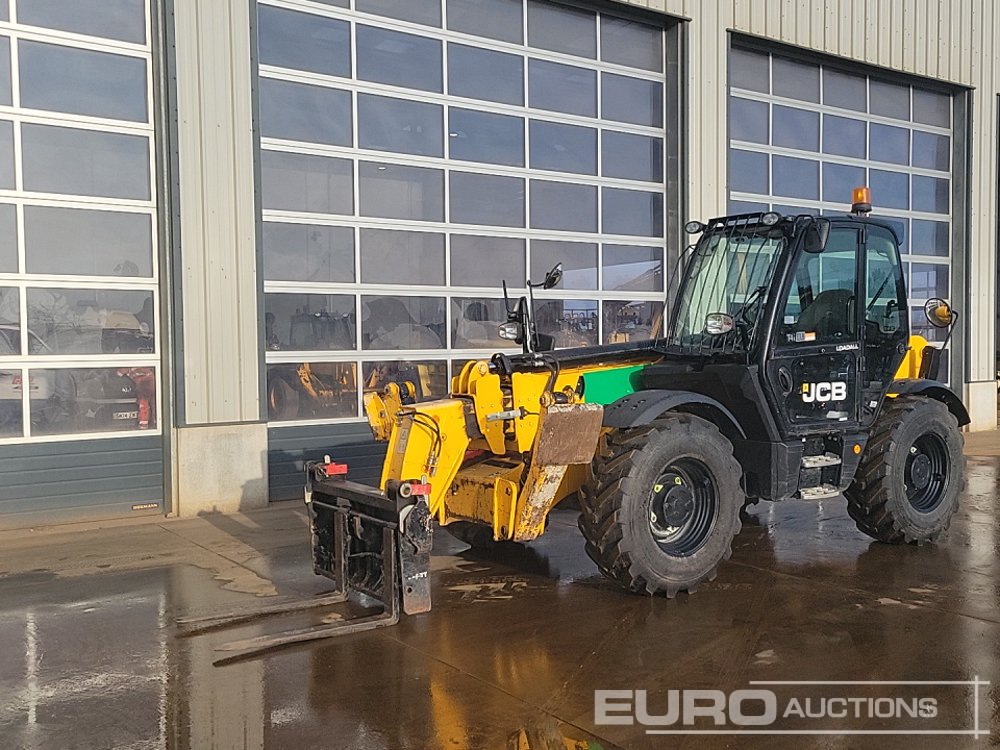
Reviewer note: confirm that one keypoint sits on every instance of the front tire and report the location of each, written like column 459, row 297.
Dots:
column 907, row 486
column 664, row 505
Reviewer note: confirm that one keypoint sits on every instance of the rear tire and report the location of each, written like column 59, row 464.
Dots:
column 664, row 505
column 907, row 486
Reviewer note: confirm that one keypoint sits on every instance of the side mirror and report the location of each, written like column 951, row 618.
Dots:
column 553, row 277
column 939, row 313
column 817, row 234
column 717, row 324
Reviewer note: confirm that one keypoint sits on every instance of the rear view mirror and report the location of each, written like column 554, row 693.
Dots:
column 817, row 234
column 939, row 313
column 553, row 277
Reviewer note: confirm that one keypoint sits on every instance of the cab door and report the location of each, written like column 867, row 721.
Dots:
column 813, row 371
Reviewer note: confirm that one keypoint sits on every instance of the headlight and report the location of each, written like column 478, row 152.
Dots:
column 770, row 218
column 510, row 330
column 694, row 227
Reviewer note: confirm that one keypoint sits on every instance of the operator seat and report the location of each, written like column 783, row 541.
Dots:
column 830, row 315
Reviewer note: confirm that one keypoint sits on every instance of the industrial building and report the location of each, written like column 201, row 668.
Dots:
column 222, row 222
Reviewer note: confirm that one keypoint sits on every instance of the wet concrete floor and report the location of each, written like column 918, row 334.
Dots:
column 91, row 656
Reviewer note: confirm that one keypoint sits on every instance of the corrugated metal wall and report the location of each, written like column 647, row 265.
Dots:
column 49, row 483
column 290, row 447
column 217, row 274
column 949, row 40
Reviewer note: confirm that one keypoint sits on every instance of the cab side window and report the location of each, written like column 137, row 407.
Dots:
column 884, row 314
column 822, row 305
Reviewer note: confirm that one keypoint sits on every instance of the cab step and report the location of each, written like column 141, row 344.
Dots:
column 819, row 492
column 820, row 461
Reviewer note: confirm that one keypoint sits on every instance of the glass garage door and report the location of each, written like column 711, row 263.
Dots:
column 802, row 135
column 79, row 357
column 414, row 154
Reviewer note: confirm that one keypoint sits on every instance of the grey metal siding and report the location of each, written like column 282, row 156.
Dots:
column 290, row 447
column 80, row 480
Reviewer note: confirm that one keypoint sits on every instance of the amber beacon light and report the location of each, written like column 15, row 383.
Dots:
column 861, row 201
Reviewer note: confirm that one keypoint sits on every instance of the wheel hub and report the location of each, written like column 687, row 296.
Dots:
column 920, row 471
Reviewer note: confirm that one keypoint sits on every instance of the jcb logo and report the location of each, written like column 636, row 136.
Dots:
column 823, row 392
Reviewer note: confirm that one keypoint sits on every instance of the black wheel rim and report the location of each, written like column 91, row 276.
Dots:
column 683, row 505
column 926, row 474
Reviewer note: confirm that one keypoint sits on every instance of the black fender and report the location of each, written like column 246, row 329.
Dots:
column 643, row 407
column 932, row 389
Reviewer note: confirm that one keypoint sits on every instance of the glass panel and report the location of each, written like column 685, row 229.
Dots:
column 746, row 207
column 300, row 182
column 485, row 74
column 487, row 199
column 631, row 43
column 840, row 180
column 302, row 41
column 407, row 127
column 843, row 136
column 113, row 19
column 486, row 261
column 393, row 191
column 427, row 12
column 484, row 137
column 84, row 162
column 92, row 400
column 8, row 238
column 931, row 194
column 82, row 82
column 844, row 90
column 87, row 243
column 562, row 29
column 632, row 268
column 429, row 378
column 890, row 144
column 91, row 321
column 632, row 212
column 626, row 320
column 795, row 128
column 563, row 206
column 631, row 157
column 398, row 59
column 631, row 100
column 889, row 99
column 10, row 321
column 795, row 178
column 748, row 172
column 308, row 252
column 297, row 112
column 309, row 322
column 920, row 326
column 402, row 322
column 928, row 280
column 930, row 237
column 571, row 322
column 11, row 383
column 890, row 189
column 931, row 108
column 562, row 88
column 333, row 393
column 749, row 70
column 494, row 19
column 563, row 148
column 396, row 257
column 475, row 322
column 931, row 151
column 579, row 261
column 4, row 13
column 5, row 88
column 6, row 154
column 795, row 80
column 748, row 120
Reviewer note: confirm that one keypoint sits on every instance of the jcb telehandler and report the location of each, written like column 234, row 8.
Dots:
column 787, row 370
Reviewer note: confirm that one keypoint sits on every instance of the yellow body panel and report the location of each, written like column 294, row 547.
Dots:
column 910, row 367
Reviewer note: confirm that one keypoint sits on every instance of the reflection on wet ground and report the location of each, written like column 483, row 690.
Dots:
column 517, row 638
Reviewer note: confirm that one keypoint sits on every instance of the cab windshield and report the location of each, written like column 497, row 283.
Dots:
column 730, row 273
